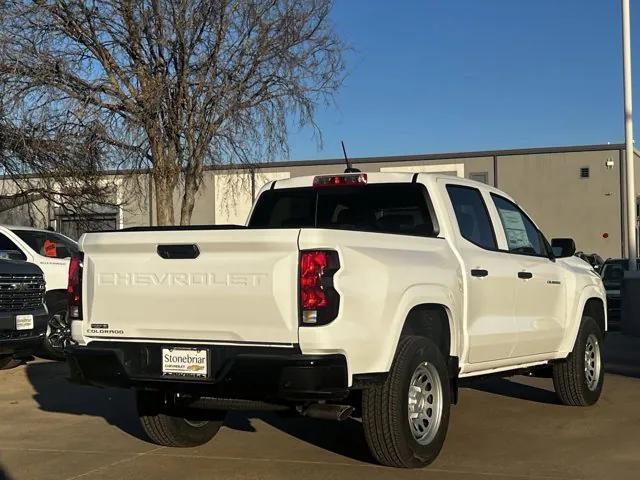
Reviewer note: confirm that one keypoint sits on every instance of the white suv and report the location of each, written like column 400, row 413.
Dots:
column 51, row 251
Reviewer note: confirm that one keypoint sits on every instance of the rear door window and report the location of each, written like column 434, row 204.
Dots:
column 472, row 216
column 400, row 208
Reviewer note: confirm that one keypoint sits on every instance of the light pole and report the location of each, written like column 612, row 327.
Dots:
column 628, row 133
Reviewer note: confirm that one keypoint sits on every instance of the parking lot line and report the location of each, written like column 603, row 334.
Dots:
column 167, row 453
column 113, row 464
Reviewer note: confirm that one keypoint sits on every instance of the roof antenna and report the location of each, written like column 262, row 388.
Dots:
column 349, row 168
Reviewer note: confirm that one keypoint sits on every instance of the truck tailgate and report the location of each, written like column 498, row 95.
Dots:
column 241, row 287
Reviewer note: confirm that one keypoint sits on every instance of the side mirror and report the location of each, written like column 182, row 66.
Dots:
column 563, row 247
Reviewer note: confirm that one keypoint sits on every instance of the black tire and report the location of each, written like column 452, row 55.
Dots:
column 173, row 428
column 52, row 347
column 570, row 377
column 385, row 411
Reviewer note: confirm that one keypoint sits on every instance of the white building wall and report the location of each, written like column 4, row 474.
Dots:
column 234, row 194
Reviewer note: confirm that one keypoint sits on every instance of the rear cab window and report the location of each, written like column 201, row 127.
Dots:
column 397, row 208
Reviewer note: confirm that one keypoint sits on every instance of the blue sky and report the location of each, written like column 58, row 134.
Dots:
column 429, row 76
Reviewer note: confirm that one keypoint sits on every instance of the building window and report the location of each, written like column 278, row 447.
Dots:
column 482, row 177
column 98, row 218
column 585, row 172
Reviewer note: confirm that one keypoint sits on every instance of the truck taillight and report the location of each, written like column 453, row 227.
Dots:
column 319, row 301
column 74, row 287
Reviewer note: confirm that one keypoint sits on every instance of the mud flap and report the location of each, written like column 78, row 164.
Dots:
column 454, row 369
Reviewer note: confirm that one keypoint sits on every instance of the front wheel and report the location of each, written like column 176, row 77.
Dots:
column 578, row 380
column 405, row 419
column 174, row 428
column 58, row 334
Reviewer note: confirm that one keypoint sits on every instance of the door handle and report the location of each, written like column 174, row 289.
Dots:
column 479, row 272
column 525, row 275
column 172, row 252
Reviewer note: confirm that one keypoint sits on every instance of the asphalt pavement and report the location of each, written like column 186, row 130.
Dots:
column 510, row 428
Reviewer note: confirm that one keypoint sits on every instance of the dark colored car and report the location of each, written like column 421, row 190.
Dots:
column 612, row 273
column 23, row 316
column 592, row 259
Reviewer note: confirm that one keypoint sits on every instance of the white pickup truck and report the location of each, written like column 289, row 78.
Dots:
column 359, row 294
column 51, row 252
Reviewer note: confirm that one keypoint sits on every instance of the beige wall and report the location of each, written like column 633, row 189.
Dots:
column 133, row 193
column 29, row 215
column 547, row 185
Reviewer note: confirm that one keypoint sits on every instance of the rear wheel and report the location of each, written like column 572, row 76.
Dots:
column 578, row 380
column 170, row 427
column 405, row 419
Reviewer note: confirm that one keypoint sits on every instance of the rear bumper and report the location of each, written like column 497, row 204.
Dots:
column 22, row 342
column 244, row 372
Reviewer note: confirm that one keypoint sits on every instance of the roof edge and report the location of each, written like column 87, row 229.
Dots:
column 390, row 158
column 435, row 156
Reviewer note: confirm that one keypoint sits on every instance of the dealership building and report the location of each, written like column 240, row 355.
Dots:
column 573, row 192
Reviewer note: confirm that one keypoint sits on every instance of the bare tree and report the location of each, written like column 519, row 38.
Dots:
column 172, row 85
column 49, row 162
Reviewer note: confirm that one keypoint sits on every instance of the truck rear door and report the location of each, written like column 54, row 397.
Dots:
column 491, row 278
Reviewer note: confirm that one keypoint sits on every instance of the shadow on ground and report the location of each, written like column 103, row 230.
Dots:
column 54, row 393
column 512, row 387
column 343, row 438
column 622, row 354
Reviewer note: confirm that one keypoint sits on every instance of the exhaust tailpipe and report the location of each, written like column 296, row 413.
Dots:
column 324, row 411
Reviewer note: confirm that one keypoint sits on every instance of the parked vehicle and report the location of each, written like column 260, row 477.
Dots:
column 592, row 259
column 612, row 273
column 364, row 294
column 51, row 251
column 23, row 316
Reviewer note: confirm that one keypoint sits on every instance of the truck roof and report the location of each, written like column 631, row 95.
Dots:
column 22, row 227
column 383, row 177
column 13, row 228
